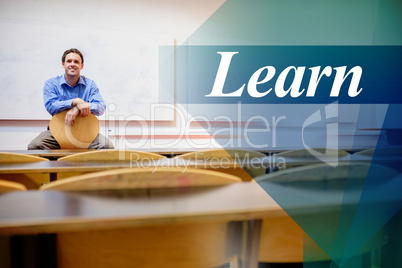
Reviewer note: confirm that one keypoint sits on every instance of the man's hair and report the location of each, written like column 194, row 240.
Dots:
column 72, row 50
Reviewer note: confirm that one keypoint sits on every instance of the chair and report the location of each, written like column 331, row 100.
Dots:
column 106, row 155
column 29, row 180
column 80, row 135
column 190, row 244
column 218, row 158
column 195, row 245
column 9, row 186
column 305, row 153
column 142, row 178
column 282, row 240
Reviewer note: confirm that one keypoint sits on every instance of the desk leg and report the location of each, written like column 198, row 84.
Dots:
column 53, row 176
column 5, row 258
column 253, row 243
column 33, row 251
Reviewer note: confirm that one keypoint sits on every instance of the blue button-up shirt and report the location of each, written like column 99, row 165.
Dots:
column 58, row 95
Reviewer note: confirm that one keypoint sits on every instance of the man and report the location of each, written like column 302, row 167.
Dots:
column 75, row 93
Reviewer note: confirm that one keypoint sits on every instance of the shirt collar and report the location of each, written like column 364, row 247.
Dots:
column 80, row 81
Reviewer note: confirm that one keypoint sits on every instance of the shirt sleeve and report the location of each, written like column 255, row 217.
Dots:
column 95, row 100
column 51, row 98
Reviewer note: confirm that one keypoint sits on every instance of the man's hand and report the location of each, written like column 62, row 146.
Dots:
column 82, row 106
column 69, row 120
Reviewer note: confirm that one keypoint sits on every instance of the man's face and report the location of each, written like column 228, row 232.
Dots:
column 72, row 64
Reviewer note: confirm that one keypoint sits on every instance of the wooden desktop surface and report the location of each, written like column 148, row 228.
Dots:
column 91, row 166
column 31, row 212
column 48, row 212
column 44, row 212
column 35, row 211
column 54, row 154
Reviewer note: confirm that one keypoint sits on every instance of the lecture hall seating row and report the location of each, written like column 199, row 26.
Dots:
column 281, row 239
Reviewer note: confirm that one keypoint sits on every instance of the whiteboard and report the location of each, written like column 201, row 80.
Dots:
column 122, row 62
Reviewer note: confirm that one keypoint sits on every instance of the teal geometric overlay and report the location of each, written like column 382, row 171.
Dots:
column 360, row 225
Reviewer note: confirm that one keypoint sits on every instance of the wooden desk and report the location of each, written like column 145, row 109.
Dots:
column 168, row 152
column 30, row 212
column 55, row 154
column 47, row 212
column 54, row 167
column 89, row 166
column 50, row 154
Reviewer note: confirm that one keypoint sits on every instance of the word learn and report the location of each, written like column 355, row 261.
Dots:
column 294, row 90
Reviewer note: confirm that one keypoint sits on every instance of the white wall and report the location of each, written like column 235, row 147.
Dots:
column 119, row 40
column 35, row 33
